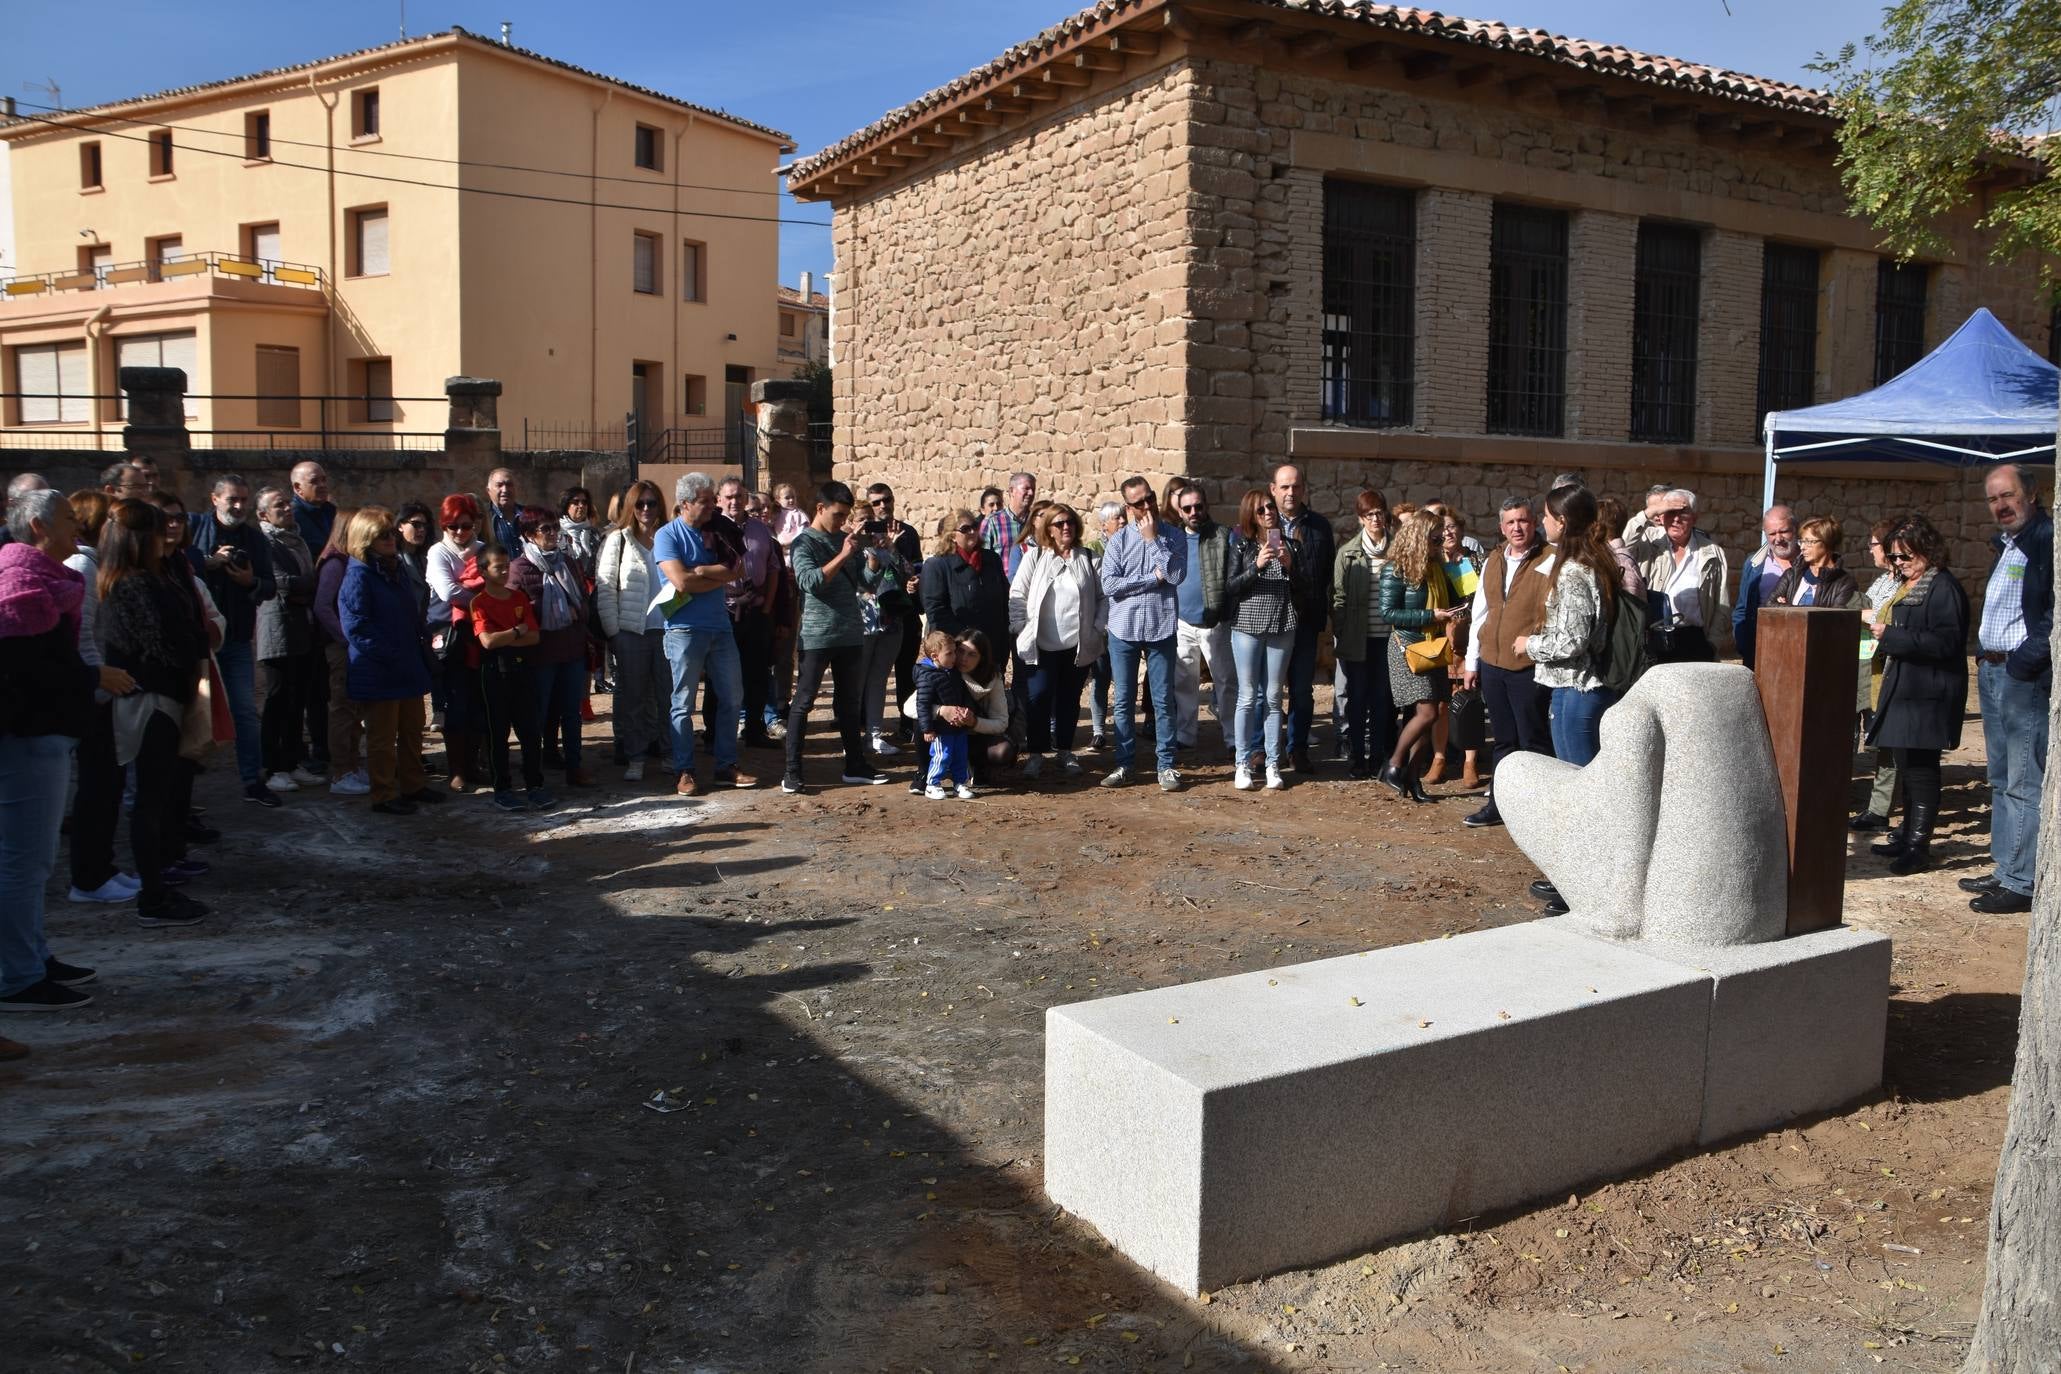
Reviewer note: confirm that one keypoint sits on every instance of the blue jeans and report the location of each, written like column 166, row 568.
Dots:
column 35, row 770
column 1578, row 721
column 239, row 680
column 1261, row 659
column 1159, row 677
column 1302, row 682
column 693, row 652
column 2014, row 731
column 559, row 689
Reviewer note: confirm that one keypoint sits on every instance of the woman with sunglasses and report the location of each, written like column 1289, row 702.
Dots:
column 1882, row 792
column 551, row 580
column 346, row 720
column 451, row 569
column 388, row 669
column 962, row 585
column 1921, row 633
column 1056, row 610
column 626, row 577
column 1267, row 576
column 1359, row 635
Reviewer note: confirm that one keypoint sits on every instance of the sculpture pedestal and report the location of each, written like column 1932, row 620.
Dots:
column 1224, row 1130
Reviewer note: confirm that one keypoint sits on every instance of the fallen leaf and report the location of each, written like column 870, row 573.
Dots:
column 1354, row 1000
column 1423, row 1025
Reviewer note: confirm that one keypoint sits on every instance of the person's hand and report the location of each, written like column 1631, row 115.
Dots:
column 1267, row 554
column 115, row 682
column 1519, row 643
column 1470, row 680
column 1877, row 628
column 911, row 585
column 929, row 737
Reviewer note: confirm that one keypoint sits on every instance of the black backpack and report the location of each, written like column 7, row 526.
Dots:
column 1623, row 657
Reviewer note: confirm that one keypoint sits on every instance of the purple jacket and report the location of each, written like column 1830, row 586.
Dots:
column 329, row 576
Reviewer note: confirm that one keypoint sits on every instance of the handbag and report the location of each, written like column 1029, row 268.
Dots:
column 1432, row 653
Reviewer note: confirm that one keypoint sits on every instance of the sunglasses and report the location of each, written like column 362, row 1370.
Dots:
column 651, row 505
column 880, row 501
column 547, row 529
column 1140, row 504
column 969, row 529
column 415, row 524
column 462, row 527
column 1066, row 525
column 388, row 533
column 1903, row 557
column 1674, row 515
column 1191, row 510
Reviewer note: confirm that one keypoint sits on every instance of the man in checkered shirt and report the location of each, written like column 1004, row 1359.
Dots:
column 2014, row 675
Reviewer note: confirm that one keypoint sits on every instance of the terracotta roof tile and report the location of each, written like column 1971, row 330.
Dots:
column 1601, row 58
column 790, row 295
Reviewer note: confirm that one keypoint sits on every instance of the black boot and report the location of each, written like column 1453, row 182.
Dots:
column 1893, row 844
column 1917, row 855
column 1397, row 780
column 1417, row 792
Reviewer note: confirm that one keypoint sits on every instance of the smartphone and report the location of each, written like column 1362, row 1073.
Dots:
column 1274, row 540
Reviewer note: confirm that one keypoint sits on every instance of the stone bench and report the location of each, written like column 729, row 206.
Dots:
column 1224, row 1130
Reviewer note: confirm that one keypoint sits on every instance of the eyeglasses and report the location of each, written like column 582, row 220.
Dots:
column 969, row 529
column 651, row 505
column 1903, row 558
column 880, row 500
column 387, row 533
column 1066, row 525
column 462, row 527
column 415, row 522
column 1140, row 504
column 1191, row 510
column 1680, row 513
column 547, row 529
column 1269, row 508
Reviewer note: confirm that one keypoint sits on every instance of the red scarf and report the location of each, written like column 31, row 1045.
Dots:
column 972, row 556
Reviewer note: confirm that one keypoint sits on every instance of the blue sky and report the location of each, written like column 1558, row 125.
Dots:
column 818, row 69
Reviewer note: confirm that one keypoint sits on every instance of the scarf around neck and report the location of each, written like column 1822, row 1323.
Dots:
column 36, row 591
column 556, row 609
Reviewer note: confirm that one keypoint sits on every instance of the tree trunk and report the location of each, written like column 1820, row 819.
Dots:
column 2019, row 1331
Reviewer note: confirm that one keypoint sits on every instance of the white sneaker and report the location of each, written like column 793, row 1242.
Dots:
column 1275, row 782
column 364, row 779
column 110, row 893
column 884, row 747
column 128, row 880
column 350, row 785
column 966, row 793
column 1068, row 764
column 777, row 730
column 1032, row 767
column 306, row 778
column 1242, row 779
column 280, row 782
column 935, row 793
column 633, row 771
column 1117, row 777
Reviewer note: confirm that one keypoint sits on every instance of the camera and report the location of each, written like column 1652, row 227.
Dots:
column 238, row 559
column 874, row 529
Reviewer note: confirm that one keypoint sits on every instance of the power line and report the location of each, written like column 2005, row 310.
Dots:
column 474, row 190
column 382, row 152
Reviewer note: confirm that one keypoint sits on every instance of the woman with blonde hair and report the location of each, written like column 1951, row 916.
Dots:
column 346, row 717
column 1416, row 600
column 97, row 805
column 1266, row 577
column 387, row 668
column 1057, row 613
column 626, row 578
column 962, row 585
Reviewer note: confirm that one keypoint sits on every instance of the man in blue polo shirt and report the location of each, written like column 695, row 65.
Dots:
column 698, row 634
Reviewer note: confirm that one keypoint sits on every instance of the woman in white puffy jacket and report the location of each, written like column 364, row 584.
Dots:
column 626, row 578
column 1057, row 615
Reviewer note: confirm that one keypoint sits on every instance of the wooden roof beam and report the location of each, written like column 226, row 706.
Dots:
column 1252, row 31
column 1002, row 104
column 1710, row 123
column 985, row 118
column 1473, row 75
column 1760, row 132
column 1526, row 83
column 1663, row 115
column 1420, row 65
column 1181, row 23
column 1134, row 43
column 1312, row 43
column 1098, row 60
column 1579, row 98
column 1064, row 76
column 1033, row 90
column 1367, row 55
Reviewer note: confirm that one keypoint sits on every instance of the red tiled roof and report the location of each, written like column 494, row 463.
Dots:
column 180, row 92
column 1603, row 59
column 790, row 295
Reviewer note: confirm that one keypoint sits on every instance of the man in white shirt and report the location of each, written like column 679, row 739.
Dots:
column 2014, row 674
column 1688, row 575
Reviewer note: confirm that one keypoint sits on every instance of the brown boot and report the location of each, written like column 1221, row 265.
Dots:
column 1437, row 772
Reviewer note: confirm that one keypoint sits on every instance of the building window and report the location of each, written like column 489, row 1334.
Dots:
column 1665, row 289
column 161, row 153
column 1899, row 317
column 180, row 349
column 1370, row 303
column 52, row 380
column 261, row 246
column 1788, row 328
column 169, row 248
column 372, row 390
column 89, row 166
column 650, row 148
column 365, row 113
column 96, row 258
column 693, row 271
column 1527, row 353
column 787, row 324
column 279, row 387
column 644, row 264
column 694, row 398
column 367, row 256
column 257, row 136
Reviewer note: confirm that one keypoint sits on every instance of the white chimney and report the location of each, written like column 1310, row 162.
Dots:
column 507, row 30
column 808, row 281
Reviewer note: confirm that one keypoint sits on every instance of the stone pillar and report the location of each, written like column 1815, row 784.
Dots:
column 157, row 420
column 1599, row 324
column 472, row 438
column 1728, row 342
column 1805, row 664
column 783, row 451
column 1452, row 310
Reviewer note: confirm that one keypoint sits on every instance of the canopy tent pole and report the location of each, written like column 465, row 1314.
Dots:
column 1767, row 486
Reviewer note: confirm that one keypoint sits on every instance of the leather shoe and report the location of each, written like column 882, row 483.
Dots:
column 1545, row 891
column 1556, row 907
column 1487, row 815
column 1867, row 821
column 1300, row 760
column 2001, row 901
column 1395, row 780
column 1988, row 882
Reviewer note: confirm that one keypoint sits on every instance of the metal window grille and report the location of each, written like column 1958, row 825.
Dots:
column 1527, row 360
column 1666, row 284
column 1788, row 328
column 1370, row 304
column 2054, row 334
column 1899, row 317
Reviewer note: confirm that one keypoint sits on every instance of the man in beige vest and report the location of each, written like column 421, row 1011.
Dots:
column 1510, row 601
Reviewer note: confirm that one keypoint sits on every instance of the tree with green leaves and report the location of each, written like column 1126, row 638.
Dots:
column 1950, row 94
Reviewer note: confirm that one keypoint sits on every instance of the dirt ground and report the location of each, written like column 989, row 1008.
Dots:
column 387, row 1109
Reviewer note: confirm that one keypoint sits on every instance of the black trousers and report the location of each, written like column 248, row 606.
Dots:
column 315, row 703
column 1518, row 712
column 847, row 705
column 1370, row 705
column 164, row 798
column 754, row 633
column 286, row 697
column 905, row 672
column 508, row 692
column 97, row 806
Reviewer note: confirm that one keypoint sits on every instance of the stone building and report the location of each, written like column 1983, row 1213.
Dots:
column 1435, row 255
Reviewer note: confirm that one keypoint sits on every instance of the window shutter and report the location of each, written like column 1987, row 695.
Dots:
column 372, row 254
column 379, row 389
column 183, row 352
column 279, row 386
column 264, row 244
column 36, row 369
column 646, row 270
column 690, row 271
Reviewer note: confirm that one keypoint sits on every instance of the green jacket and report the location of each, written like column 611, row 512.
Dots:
column 1403, row 603
column 830, row 617
column 1355, row 581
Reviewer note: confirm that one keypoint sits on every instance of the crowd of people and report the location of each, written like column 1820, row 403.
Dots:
column 322, row 644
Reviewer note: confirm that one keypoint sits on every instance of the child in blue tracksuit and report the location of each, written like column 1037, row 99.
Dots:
column 938, row 684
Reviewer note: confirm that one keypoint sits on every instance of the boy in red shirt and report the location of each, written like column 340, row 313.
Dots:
column 504, row 625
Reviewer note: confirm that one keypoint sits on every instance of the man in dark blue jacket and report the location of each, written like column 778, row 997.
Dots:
column 2014, row 674
column 314, row 515
column 234, row 559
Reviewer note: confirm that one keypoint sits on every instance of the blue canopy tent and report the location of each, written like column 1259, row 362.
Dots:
column 1982, row 397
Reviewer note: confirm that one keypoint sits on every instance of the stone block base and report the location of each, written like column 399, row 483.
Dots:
column 1224, row 1130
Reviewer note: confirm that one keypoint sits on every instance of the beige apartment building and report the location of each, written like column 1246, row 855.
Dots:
column 804, row 325
column 1435, row 255
column 362, row 227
